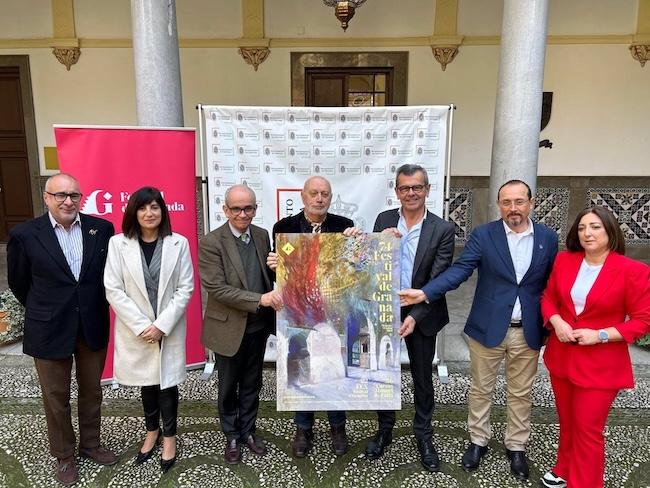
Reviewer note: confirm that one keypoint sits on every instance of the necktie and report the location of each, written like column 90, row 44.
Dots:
column 316, row 227
column 245, row 238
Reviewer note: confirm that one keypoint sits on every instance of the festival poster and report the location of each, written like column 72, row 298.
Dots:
column 337, row 334
column 111, row 163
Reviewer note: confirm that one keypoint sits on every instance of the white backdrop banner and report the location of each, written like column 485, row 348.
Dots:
column 274, row 150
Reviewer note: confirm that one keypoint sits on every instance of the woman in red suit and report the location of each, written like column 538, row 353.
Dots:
column 596, row 302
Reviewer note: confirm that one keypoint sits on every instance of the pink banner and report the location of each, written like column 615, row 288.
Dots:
column 111, row 163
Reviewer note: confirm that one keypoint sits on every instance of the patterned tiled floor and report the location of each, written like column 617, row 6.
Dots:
column 25, row 462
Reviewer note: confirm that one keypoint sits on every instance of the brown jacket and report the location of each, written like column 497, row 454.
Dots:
column 224, row 279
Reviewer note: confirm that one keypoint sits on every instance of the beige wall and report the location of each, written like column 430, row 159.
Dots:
column 565, row 17
column 599, row 124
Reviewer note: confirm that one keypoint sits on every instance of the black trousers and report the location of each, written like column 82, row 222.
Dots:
column 159, row 403
column 421, row 349
column 240, row 382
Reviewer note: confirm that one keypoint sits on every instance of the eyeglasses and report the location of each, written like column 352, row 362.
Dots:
column 404, row 189
column 249, row 210
column 518, row 203
column 61, row 196
column 314, row 194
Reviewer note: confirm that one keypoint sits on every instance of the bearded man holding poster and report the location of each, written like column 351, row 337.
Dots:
column 314, row 218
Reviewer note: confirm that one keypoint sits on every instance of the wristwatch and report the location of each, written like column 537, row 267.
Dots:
column 603, row 335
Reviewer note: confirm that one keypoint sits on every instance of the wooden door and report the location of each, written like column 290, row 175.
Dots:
column 15, row 189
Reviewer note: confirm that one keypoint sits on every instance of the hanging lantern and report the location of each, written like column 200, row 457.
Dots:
column 344, row 9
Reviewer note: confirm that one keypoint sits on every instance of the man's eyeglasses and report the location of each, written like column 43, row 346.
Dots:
column 249, row 210
column 508, row 203
column 323, row 194
column 61, row 196
column 404, row 189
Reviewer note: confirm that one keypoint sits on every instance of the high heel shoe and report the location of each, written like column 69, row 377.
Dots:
column 141, row 457
column 166, row 464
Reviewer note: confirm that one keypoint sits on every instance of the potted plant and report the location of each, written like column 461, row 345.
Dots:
column 644, row 341
column 12, row 318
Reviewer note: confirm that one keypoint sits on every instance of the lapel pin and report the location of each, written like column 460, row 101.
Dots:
column 92, row 232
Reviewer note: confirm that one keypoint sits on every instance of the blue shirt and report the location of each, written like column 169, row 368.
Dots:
column 408, row 247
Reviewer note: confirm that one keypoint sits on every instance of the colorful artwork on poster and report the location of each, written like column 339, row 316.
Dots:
column 338, row 346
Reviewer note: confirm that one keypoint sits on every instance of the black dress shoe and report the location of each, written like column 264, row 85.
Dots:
column 381, row 440
column 302, row 442
column 340, row 444
column 472, row 457
column 232, row 453
column 256, row 444
column 428, row 455
column 141, row 457
column 518, row 464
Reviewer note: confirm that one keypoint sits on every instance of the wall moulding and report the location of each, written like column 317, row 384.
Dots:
column 640, row 52
column 289, row 42
column 67, row 56
column 445, row 48
column 640, row 48
column 444, row 55
column 254, row 55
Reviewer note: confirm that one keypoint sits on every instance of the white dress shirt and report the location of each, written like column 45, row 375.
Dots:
column 71, row 242
column 520, row 246
column 584, row 281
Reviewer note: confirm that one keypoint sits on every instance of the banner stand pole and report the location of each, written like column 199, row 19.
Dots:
column 438, row 358
column 208, row 368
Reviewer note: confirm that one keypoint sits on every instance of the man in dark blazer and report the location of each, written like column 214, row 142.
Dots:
column 426, row 249
column 239, row 316
column 314, row 218
column 514, row 257
column 55, row 265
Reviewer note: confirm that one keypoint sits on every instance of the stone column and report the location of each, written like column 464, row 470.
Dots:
column 517, row 119
column 157, row 68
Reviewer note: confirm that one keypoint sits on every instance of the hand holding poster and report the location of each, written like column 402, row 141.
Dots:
column 338, row 346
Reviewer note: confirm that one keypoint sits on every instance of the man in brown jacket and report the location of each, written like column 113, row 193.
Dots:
column 239, row 316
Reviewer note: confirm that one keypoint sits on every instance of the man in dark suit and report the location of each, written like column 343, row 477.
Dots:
column 514, row 257
column 314, row 218
column 239, row 316
column 426, row 249
column 55, row 265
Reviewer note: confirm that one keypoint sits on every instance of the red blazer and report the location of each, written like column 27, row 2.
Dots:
column 620, row 298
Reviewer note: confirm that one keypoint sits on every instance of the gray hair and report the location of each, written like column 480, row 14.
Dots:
column 66, row 175
column 409, row 170
column 240, row 187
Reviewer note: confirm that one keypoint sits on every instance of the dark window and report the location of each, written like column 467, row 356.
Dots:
column 348, row 87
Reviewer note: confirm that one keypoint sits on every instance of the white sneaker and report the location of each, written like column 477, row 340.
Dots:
column 551, row 480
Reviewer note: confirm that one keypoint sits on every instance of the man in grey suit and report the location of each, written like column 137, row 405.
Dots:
column 426, row 250
column 239, row 316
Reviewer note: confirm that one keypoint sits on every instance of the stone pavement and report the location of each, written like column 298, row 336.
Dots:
column 25, row 461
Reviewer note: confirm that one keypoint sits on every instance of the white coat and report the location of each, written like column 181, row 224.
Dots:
column 136, row 362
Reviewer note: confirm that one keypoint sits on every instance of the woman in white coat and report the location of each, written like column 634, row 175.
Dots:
column 149, row 282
